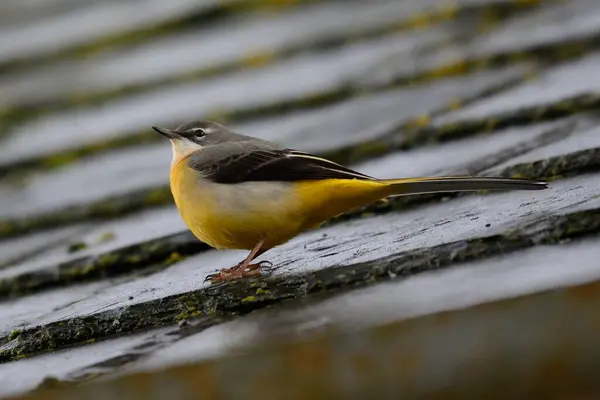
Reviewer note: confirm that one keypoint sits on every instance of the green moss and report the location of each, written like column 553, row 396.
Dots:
column 6, row 228
column 211, row 312
column 184, row 315
column 134, row 259
column 120, row 261
column 107, row 259
column 526, row 115
column 557, row 167
column 76, row 246
column 14, row 334
column 87, row 268
column 190, row 307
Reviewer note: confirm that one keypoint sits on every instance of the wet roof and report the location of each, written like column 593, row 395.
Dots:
column 430, row 294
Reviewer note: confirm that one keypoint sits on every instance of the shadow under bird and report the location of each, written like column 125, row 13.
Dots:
column 239, row 192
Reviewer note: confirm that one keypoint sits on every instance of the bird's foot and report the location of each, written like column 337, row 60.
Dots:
column 239, row 272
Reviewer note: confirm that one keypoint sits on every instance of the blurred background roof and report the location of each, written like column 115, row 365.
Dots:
column 469, row 295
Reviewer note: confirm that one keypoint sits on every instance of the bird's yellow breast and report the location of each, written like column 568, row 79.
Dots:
column 238, row 216
column 235, row 216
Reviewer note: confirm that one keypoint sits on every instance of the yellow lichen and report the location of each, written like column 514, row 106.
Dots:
column 106, row 237
column 249, row 299
column 174, row 257
column 257, row 59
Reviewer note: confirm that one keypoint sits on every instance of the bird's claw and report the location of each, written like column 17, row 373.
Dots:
column 234, row 273
column 261, row 265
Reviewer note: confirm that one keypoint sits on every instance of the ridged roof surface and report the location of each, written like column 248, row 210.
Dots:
column 439, row 295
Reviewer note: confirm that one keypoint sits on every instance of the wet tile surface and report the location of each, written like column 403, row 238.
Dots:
column 460, row 287
column 99, row 276
column 316, row 73
column 239, row 37
column 84, row 24
column 556, row 84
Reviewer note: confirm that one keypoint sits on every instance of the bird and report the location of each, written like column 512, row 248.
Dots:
column 235, row 191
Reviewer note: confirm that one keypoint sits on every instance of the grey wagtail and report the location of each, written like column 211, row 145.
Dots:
column 239, row 192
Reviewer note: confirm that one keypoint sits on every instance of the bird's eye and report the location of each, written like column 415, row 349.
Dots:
column 198, row 133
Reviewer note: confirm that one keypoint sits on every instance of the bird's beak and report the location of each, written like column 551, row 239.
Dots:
column 168, row 133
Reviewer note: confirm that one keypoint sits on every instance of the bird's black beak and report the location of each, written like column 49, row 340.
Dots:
column 168, row 133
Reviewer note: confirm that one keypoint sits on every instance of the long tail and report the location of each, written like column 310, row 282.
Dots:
column 401, row 187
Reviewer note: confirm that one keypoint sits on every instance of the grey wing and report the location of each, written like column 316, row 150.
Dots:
column 248, row 161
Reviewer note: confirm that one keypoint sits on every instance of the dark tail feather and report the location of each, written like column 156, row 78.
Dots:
column 460, row 184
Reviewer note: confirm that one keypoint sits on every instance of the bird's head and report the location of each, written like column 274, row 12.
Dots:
column 192, row 136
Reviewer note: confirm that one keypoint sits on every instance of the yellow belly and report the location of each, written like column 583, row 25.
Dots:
column 238, row 216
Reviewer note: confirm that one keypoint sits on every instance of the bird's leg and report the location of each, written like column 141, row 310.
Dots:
column 253, row 254
column 243, row 269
